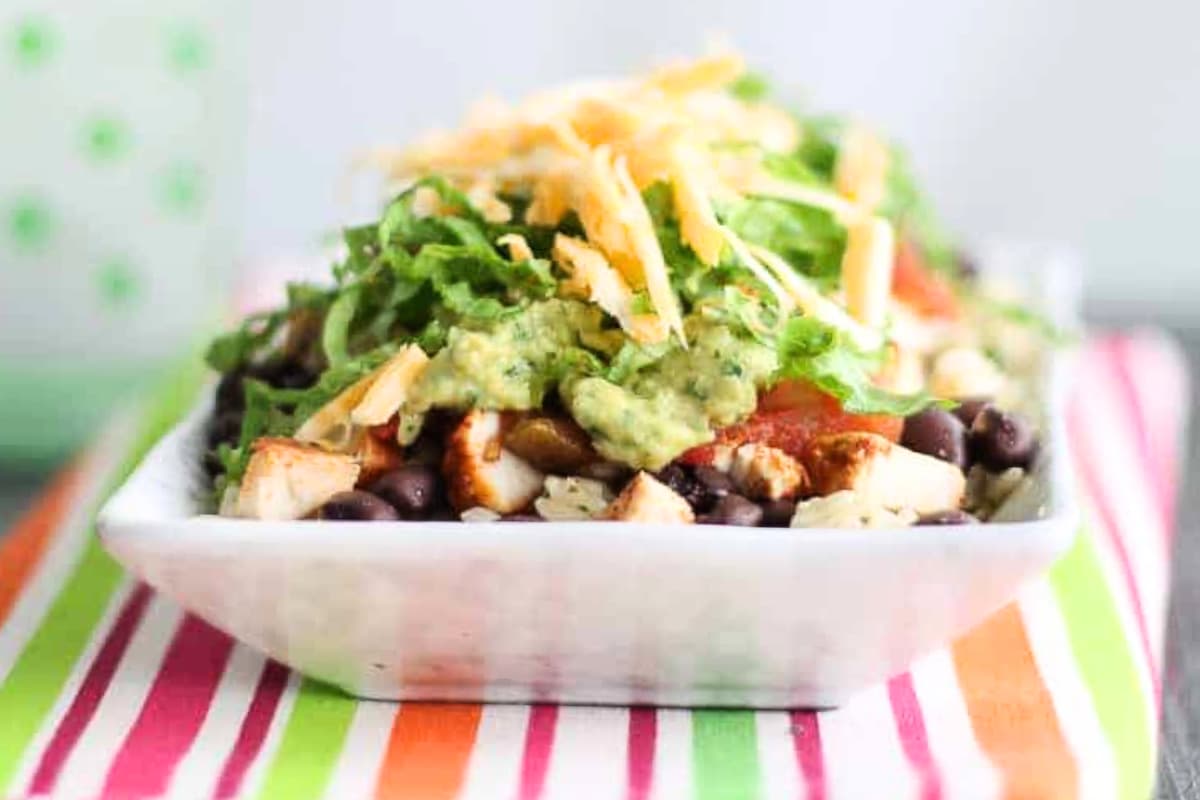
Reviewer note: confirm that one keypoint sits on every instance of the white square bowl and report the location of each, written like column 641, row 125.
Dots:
column 593, row 612
column 590, row 612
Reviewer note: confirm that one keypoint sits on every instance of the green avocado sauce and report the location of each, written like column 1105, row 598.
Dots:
column 507, row 367
column 644, row 420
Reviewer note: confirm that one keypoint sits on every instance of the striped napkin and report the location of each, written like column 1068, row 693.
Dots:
column 109, row 691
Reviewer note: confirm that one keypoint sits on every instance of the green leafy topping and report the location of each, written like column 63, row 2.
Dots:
column 822, row 355
column 751, row 87
column 809, row 239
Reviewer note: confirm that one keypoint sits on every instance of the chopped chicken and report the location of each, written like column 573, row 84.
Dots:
column 767, row 473
column 289, row 480
column 645, row 499
column 376, row 456
column 481, row 472
column 849, row 509
column 883, row 473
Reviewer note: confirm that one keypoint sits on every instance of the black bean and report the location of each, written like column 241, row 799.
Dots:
column 212, row 465
column 225, row 428
column 716, row 482
column 1000, row 440
column 293, row 376
column 968, row 410
column 778, row 513
column 230, row 394
column 938, row 433
column 357, row 506
column 680, row 479
column 951, row 516
column 733, row 509
column 676, row 478
column 521, row 518
column 415, row 490
column 283, row 374
column 968, row 269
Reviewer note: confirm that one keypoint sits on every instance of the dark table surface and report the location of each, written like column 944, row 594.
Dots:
column 1179, row 770
column 1179, row 766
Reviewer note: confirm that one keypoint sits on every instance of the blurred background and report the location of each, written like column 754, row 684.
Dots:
column 152, row 154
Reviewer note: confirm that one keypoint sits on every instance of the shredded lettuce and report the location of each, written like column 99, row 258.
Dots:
column 823, row 356
column 807, row 238
column 751, row 87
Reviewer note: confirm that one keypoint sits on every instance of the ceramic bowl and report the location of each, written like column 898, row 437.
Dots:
column 589, row 612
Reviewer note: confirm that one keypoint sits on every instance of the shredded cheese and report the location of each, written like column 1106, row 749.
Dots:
column 645, row 244
column 861, row 170
column 816, row 305
column 330, row 426
column 592, row 277
column 482, row 195
column 592, row 148
column 769, row 186
column 867, row 270
column 744, row 254
column 713, row 72
column 698, row 224
column 388, row 391
column 518, row 248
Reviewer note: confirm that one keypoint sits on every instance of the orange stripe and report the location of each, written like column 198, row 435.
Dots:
column 1011, row 710
column 22, row 548
column 428, row 750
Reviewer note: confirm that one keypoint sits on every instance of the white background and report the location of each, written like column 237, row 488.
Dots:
column 1064, row 119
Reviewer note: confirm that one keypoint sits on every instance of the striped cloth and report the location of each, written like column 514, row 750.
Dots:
column 107, row 690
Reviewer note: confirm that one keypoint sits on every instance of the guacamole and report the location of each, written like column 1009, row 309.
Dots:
column 643, row 419
column 676, row 402
column 506, row 367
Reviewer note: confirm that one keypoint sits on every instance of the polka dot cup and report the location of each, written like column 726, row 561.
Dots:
column 120, row 183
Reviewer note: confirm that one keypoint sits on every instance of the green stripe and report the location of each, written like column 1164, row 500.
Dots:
column 37, row 678
column 311, row 744
column 725, row 752
column 1108, row 664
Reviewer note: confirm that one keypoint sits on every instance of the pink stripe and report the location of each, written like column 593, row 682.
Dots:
column 806, row 738
column 643, row 733
column 254, row 729
column 1157, row 464
column 1097, row 493
column 539, row 739
column 910, row 725
column 171, row 716
column 87, row 699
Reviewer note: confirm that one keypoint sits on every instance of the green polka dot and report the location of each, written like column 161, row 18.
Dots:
column 118, row 284
column 183, row 188
column 32, row 42
column 30, row 223
column 187, row 49
column 106, row 138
